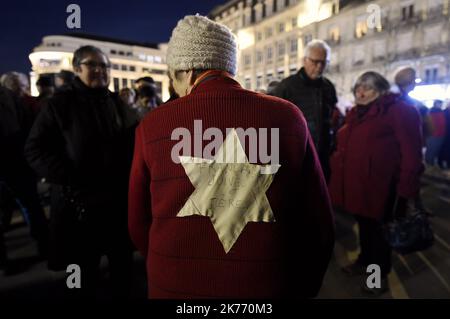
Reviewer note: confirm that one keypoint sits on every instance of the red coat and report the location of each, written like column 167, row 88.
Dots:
column 185, row 258
column 377, row 155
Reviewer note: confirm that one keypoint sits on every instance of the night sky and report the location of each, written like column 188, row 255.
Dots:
column 23, row 23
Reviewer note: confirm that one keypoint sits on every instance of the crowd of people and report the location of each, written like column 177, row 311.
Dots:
column 115, row 189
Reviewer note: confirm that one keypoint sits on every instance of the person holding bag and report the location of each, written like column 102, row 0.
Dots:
column 376, row 168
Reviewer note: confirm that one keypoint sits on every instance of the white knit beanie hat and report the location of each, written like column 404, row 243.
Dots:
column 200, row 43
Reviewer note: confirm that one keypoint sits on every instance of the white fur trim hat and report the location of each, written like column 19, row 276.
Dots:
column 200, row 43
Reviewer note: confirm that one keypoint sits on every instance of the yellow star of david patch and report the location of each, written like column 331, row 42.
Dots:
column 229, row 190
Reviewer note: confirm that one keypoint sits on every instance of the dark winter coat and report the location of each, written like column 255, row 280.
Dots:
column 316, row 99
column 82, row 143
column 377, row 154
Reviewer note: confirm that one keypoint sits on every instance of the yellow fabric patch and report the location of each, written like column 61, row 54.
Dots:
column 229, row 190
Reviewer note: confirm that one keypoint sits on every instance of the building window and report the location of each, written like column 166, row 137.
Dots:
column 259, row 82
column 132, row 68
column 269, row 53
column 123, row 67
column 269, row 32
column 281, row 49
column 116, row 84
column 158, row 59
column 129, row 53
column 124, row 83
column 361, row 28
column 259, row 57
column 334, row 34
column 248, row 83
column 121, row 53
column 306, row 39
column 292, row 70
column 294, row 45
column 281, row 28
column 334, row 8
column 115, row 66
column 280, row 74
column 247, row 60
column 258, row 36
column 407, row 12
column 113, row 52
column 431, row 75
column 269, row 78
column 294, row 22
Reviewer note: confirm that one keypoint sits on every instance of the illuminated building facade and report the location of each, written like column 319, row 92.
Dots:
column 129, row 60
column 273, row 33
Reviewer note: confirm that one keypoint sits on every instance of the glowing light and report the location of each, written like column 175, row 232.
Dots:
column 245, row 39
column 428, row 93
column 314, row 11
column 418, row 81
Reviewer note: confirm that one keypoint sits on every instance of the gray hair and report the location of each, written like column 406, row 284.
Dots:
column 374, row 81
column 318, row 44
column 9, row 79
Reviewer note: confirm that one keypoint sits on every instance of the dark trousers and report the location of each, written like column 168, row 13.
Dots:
column 374, row 248
column 24, row 187
column 116, row 246
column 120, row 269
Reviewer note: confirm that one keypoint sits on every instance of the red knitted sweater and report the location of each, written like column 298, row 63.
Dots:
column 184, row 256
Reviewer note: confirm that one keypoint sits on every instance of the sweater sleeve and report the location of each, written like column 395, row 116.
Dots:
column 407, row 129
column 139, row 202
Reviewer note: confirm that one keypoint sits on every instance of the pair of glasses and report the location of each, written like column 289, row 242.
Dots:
column 93, row 65
column 316, row 62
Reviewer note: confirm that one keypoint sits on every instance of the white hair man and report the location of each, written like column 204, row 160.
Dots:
column 315, row 95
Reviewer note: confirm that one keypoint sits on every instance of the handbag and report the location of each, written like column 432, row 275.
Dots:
column 410, row 233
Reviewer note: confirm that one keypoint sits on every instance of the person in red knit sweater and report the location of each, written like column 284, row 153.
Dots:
column 223, row 223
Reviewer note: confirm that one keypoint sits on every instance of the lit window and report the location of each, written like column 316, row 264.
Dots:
column 334, row 34
column 361, row 28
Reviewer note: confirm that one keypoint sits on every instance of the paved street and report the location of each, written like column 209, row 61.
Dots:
column 419, row 275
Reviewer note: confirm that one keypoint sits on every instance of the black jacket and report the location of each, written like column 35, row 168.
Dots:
column 82, row 142
column 15, row 122
column 316, row 99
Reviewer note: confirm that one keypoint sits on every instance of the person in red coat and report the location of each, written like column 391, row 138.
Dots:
column 226, row 229
column 376, row 167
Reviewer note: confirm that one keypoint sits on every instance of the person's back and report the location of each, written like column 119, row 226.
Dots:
column 247, row 214
column 185, row 257
column 316, row 97
column 437, row 123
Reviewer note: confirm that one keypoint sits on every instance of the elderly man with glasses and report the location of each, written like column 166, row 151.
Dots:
column 316, row 97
